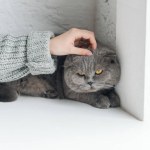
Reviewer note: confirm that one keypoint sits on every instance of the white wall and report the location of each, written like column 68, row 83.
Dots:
column 23, row 16
column 105, row 22
column 147, row 65
column 130, row 34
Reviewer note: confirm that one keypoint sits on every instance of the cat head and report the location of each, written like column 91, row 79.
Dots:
column 84, row 74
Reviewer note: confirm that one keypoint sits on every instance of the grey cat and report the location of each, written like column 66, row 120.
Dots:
column 88, row 79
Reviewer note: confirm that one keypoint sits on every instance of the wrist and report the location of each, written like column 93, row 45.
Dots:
column 51, row 47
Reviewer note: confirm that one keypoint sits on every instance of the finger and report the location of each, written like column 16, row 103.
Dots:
column 88, row 35
column 80, row 51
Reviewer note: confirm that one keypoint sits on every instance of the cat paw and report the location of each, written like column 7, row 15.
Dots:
column 103, row 102
column 50, row 94
column 114, row 100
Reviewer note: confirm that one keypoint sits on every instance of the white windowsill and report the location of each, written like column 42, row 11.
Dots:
column 43, row 124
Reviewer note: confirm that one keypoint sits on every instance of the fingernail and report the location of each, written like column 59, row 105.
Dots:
column 89, row 53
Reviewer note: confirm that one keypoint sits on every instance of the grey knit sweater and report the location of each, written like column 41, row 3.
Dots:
column 20, row 56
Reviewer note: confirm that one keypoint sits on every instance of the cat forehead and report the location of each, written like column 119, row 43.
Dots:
column 98, row 56
column 95, row 58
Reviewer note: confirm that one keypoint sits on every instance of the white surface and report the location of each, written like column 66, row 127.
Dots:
column 43, row 124
column 130, row 41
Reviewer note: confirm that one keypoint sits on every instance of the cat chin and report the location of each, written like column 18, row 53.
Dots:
column 91, row 90
column 85, row 91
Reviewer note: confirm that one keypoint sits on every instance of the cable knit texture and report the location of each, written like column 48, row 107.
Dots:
column 20, row 56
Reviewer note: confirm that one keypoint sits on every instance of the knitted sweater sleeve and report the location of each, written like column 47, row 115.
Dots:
column 20, row 56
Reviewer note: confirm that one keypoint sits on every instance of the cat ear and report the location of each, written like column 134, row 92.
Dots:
column 110, row 58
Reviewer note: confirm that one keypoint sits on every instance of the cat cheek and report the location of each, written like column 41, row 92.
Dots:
column 78, row 80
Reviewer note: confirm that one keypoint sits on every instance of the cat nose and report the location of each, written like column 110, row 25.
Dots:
column 90, row 83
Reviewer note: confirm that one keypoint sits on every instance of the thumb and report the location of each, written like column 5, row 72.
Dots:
column 80, row 51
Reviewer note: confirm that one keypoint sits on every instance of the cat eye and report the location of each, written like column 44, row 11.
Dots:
column 98, row 71
column 81, row 74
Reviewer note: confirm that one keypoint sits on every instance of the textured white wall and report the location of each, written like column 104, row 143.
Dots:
column 23, row 16
column 105, row 22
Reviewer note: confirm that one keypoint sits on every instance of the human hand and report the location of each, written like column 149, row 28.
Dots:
column 64, row 44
